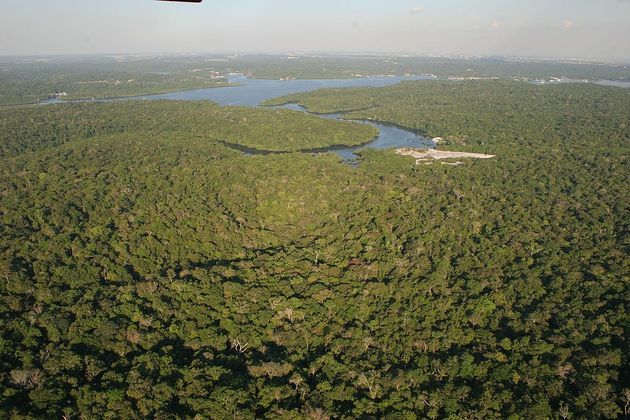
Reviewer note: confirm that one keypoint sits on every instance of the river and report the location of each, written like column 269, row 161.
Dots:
column 252, row 92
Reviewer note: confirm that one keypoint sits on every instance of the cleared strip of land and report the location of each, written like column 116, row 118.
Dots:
column 424, row 155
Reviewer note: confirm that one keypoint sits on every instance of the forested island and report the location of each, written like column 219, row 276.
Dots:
column 149, row 270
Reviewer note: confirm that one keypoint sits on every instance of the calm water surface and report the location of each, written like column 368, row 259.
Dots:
column 251, row 92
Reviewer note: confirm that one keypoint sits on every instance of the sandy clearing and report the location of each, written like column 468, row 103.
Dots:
column 426, row 155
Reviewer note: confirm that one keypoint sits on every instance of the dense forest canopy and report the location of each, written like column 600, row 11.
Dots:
column 29, row 80
column 147, row 270
column 279, row 130
column 488, row 114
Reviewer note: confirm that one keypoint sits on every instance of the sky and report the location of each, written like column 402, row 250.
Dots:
column 591, row 29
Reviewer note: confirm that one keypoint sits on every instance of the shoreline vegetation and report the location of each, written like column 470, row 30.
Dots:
column 70, row 98
column 311, row 150
column 65, row 99
column 69, row 92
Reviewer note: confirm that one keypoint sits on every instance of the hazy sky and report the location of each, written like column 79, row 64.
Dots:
column 552, row 28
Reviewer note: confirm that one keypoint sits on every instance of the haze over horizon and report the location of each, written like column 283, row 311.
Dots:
column 587, row 29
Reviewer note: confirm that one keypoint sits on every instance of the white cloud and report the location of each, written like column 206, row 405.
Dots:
column 567, row 24
column 417, row 10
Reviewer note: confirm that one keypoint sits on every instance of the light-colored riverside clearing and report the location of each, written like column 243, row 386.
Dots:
column 426, row 156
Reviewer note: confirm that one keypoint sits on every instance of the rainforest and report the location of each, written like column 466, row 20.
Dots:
column 149, row 268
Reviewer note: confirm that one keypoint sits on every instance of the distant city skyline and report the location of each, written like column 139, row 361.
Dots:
column 586, row 29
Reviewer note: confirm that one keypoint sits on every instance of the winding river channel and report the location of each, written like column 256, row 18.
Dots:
column 252, row 92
